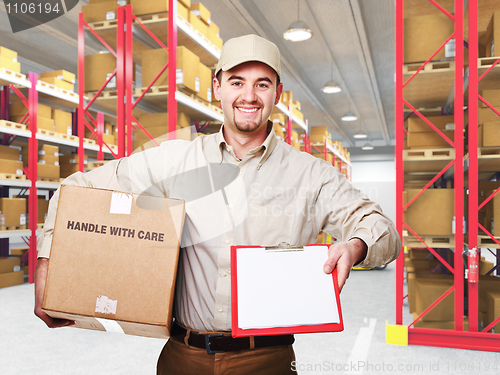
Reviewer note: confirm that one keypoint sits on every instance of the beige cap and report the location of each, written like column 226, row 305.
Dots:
column 246, row 48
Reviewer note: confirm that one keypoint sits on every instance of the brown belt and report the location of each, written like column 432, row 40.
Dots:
column 219, row 343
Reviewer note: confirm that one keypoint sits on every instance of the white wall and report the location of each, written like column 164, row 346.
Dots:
column 377, row 179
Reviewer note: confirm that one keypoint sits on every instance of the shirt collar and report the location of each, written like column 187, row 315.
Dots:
column 269, row 143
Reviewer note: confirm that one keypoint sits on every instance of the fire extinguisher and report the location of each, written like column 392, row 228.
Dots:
column 473, row 265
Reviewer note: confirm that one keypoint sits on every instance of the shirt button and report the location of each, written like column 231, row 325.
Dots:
column 221, row 310
column 231, row 205
column 227, row 241
column 223, row 274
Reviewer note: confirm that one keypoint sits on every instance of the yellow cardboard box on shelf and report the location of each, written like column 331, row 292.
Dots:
column 98, row 68
column 8, row 53
column 491, row 96
column 491, row 134
column 182, row 10
column 9, row 64
column 48, row 150
column 205, row 74
column 214, row 37
column 131, row 297
column 10, row 166
column 100, row 11
column 200, row 11
column 432, row 212
column 493, row 308
column 493, row 35
column 60, row 74
column 48, row 171
column 417, row 125
column 11, row 279
column 428, row 291
column 19, row 109
column 198, row 24
column 67, row 170
column 13, row 211
column 186, row 3
column 10, row 153
column 160, row 120
column 9, row 264
column 487, row 115
column 214, row 28
column 187, row 68
column 143, row 7
column 41, row 122
column 429, row 140
column 423, row 35
column 63, row 121
column 59, row 83
column 279, row 118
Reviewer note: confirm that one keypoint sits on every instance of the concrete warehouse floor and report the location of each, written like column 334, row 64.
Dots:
column 27, row 346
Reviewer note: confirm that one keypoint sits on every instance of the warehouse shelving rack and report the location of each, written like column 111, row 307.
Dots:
column 423, row 165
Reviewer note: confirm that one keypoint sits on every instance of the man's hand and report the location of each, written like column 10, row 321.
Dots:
column 40, row 278
column 344, row 255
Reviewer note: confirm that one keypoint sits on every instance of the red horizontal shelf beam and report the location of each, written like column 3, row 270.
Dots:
column 454, row 339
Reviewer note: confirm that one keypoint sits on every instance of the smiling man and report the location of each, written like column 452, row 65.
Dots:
column 242, row 186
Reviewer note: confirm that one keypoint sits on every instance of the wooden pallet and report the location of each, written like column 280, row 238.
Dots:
column 12, row 227
column 431, row 67
column 445, row 241
column 429, row 154
column 96, row 164
column 486, row 241
column 13, row 177
column 13, row 74
column 49, row 86
column 67, row 137
column 46, row 132
column 89, row 141
column 105, row 94
column 153, row 17
column 12, row 125
column 152, row 90
column 50, row 179
column 104, row 23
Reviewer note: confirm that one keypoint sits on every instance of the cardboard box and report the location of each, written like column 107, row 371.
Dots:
column 135, row 297
column 417, row 125
column 440, row 325
column 10, row 166
column 7, row 63
column 187, row 68
column 200, row 11
column 279, row 118
column 18, row 251
column 48, row 150
column 492, row 35
column 214, row 37
column 429, row 140
column 492, row 97
column 487, row 115
column 8, row 53
column 60, row 74
column 198, row 24
column 97, row 68
column 142, row 7
column 287, row 97
column 99, row 12
column 205, row 74
column 67, row 170
column 493, row 309
column 19, row 109
column 63, row 121
column 41, row 122
column 43, row 209
column 13, row 211
column 48, row 171
column 72, row 159
column 59, row 83
column 427, row 292
column 8, row 264
column 42, row 159
column 11, row 279
column 491, row 134
column 423, row 35
column 186, row 3
column 160, row 119
column 214, row 28
column 9, row 153
column 182, row 10
column 297, row 113
column 432, row 212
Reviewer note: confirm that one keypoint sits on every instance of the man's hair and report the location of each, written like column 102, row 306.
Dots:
column 218, row 76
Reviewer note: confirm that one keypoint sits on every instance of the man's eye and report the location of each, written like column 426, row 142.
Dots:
column 236, row 83
column 263, row 85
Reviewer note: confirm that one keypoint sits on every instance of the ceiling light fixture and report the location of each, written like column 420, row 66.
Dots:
column 360, row 135
column 331, row 87
column 349, row 115
column 367, row 147
column 298, row 31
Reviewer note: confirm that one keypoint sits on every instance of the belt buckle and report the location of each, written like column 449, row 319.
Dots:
column 207, row 343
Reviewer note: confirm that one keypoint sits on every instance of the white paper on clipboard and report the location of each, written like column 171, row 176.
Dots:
column 284, row 288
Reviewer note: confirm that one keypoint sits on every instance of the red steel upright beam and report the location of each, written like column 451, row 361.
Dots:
column 33, row 175
column 120, row 80
column 172, row 69
column 473, row 162
column 459, row 166
column 399, row 112
column 81, row 90
column 129, row 78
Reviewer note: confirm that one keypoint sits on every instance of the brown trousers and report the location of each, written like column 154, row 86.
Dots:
column 178, row 358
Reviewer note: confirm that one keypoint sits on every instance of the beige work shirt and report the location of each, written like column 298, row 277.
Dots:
column 274, row 194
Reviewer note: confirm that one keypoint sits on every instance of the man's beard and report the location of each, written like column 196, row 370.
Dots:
column 247, row 126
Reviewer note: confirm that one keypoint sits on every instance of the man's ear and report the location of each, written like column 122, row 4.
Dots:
column 279, row 90
column 216, row 85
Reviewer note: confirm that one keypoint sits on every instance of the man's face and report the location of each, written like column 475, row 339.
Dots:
column 247, row 93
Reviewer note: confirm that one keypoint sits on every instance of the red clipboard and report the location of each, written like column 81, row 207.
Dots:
column 278, row 330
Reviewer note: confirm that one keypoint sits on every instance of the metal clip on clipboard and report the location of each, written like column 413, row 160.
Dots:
column 284, row 246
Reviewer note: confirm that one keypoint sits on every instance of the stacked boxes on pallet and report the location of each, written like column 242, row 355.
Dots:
column 10, row 161
column 156, row 124
column 10, row 272
column 8, row 60
column 69, row 164
column 44, row 115
column 13, row 213
column 48, row 161
column 422, row 136
column 60, row 78
column 489, row 121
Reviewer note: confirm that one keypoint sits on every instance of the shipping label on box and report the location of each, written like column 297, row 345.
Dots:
column 122, row 262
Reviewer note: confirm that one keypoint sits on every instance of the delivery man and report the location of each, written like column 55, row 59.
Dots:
column 270, row 193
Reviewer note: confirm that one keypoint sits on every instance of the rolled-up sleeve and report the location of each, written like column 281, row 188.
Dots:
column 345, row 212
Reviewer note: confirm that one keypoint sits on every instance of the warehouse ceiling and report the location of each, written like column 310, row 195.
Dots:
column 355, row 38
